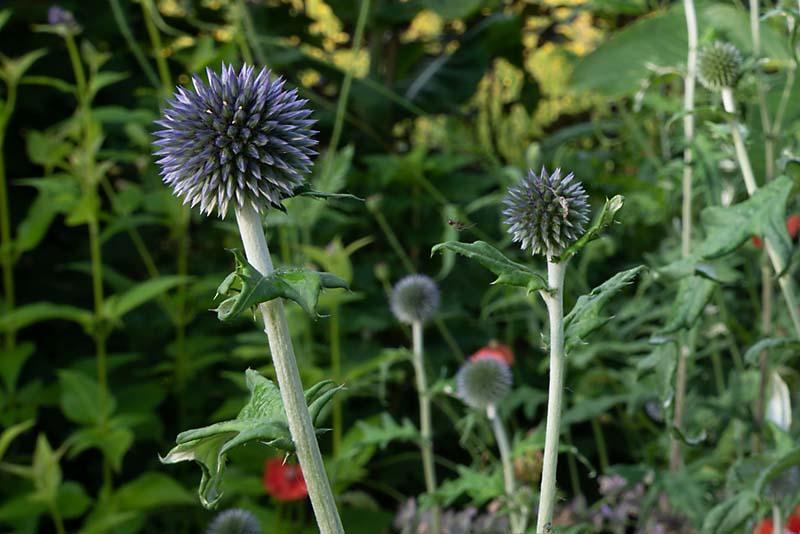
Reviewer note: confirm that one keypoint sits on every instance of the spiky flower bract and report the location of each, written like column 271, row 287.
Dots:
column 415, row 298
column 234, row 521
column 241, row 138
column 546, row 213
column 719, row 66
column 484, row 382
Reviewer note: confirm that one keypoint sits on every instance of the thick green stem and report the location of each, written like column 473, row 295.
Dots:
column 426, row 432
column 6, row 254
column 288, row 375
column 555, row 309
column 500, row 436
column 784, row 281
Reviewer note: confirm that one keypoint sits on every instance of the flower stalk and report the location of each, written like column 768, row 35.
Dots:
column 288, row 375
column 501, row 437
column 425, row 429
column 554, row 299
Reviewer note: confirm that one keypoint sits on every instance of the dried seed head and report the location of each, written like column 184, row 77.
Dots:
column 234, row 521
column 415, row 298
column 719, row 66
column 241, row 138
column 483, row 382
column 545, row 213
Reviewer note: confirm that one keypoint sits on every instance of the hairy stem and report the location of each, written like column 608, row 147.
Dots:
column 509, row 482
column 784, row 281
column 553, row 298
column 288, row 375
column 426, row 432
column 690, row 83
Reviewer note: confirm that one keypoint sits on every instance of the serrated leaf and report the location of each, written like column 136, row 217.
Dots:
column 118, row 305
column 43, row 311
column 480, row 487
column 730, row 515
column 263, row 418
column 727, row 228
column 585, row 316
column 509, row 273
column 780, row 343
column 82, row 399
column 694, row 293
column 388, row 431
column 246, row 288
column 601, row 222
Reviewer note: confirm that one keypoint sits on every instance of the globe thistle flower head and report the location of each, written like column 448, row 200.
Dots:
column 546, row 213
column 415, row 298
column 719, row 66
column 239, row 138
column 234, row 521
column 483, row 382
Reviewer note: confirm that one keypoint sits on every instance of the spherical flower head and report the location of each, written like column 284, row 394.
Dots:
column 415, row 298
column 63, row 19
column 719, row 66
column 546, row 213
column 234, row 521
column 484, row 382
column 495, row 350
column 284, row 481
column 241, row 138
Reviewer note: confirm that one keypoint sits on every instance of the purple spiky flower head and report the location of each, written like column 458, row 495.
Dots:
column 241, row 137
column 546, row 213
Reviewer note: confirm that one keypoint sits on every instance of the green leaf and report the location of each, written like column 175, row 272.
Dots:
column 46, row 470
column 509, row 273
column 112, row 438
column 694, row 292
column 55, row 195
column 44, row 311
column 151, row 490
column 4, row 16
column 601, row 222
column 11, row 363
column 82, row 399
column 14, row 69
column 104, row 79
column 780, row 343
column 764, row 214
column 118, row 305
column 731, row 515
column 479, row 486
column 774, row 469
column 388, row 431
column 262, row 418
column 585, row 316
column 72, row 500
column 10, row 433
column 246, row 287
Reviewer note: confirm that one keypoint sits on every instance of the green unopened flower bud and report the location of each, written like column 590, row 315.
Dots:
column 719, row 66
column 484, row 382
column 415, row 298
column 545, row 213
column 234, row 521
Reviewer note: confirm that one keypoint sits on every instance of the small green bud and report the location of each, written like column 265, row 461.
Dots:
column 719, row 66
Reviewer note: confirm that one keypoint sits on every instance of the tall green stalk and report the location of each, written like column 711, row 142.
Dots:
column 336, row 371
column 690, row 83
column 501, row 437
column 554, row 299
column 6, row 254
column 426, row 431
column 288, row 375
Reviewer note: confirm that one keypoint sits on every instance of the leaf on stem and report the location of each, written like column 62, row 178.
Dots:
column 509, row 273
column 246, row 287
column 694, row 292
column 262, row 419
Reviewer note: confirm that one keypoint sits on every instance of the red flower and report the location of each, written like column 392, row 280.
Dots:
column 502, row 353
column 792, row 524
column 765, row 527
column 792, row 225
column 284, row 482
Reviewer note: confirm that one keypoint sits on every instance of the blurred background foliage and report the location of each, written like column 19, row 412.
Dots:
column 110, row 349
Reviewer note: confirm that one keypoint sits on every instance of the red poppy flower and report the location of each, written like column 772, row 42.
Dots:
column 792, row 225
column 495, row 350
column 792, row 524
column 284, row 482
